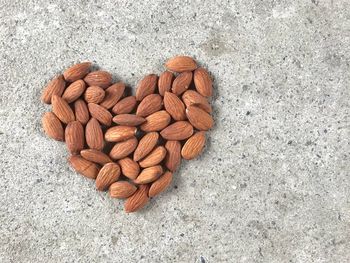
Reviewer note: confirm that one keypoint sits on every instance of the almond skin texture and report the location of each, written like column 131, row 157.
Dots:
column 160, row 184
column 181, row 64
column 94, row 135
column 74, row 91
column 138, row 200
column 62, row 110
column 122, row 149
column 108, row 174
column 100, row 113
column 81, row 111
column 146, row 145
column 84, row 167
column 173, row 157
column 125, row 105
column 52, row 126
column 119, row 133
column 94, row 94
column 177, row 131
column 150, row 104
column 156, row 121
column 122, row 189
column 95, row 156
column 77, row 71
column 193, row 146
column 100, row 78
column 130, row 168
column 199, row 118
column 55, row 87
column 128, row 119
column 191, row 97
column 154, row 158
column 174, row 106
column 74, row 135
column 149, row 175
column 203, row 82
column 164, row 82
column 113, row 95
column 146, row 86
column 182, row 83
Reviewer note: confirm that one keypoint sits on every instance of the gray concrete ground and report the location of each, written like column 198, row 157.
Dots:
column 273, row 184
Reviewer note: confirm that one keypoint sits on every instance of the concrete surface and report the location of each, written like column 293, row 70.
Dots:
column 273, row 184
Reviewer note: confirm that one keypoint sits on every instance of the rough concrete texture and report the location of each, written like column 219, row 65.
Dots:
column 273, row 184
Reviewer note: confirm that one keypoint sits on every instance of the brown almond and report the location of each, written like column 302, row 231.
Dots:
column 154, row 158
column 84, row 167
column 149, row 175
column 74, row 135
column 191, row 97
column 94, row 94
column 128, row 119
column 181, row 64
column 119, row 133
column 174, row 106
column 156, row 121
column 193, row 146
column 55, row 87
column 95, row 156
column 130, row 168
column 182, row 82
column 94, row 135
column 74, row 91
column 77, row 71
column 177, row 131
column 62, row 110
column 125, row 105
column 203, row 82
column 150, row 104
column 108, row 174
column 122, row 149
column 199, row 118
column 52, row 126
column 113, row 95
column 146, row 86
column 100, row 113
column 173, row 157
column 102, row 79
column 122, row 189
column 161, row 184
column 81, row 111
column 138, row 200
column 165, row 81
column 146, row 145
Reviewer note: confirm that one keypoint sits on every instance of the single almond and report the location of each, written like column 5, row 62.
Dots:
column 150, row 104
column 113, row 95
column 146, row 145
column 177, row 131
column 161, row 184
column 138, row 200
column 95, row 156
column 130, row 168
column 94, row 135
column 128, row 119
column 182, row 82
column 122, row 189
column 181, row 64
column 52, row 126
column 84, row 167
column 74, row 91
column 191, row 97
column 122, row 149
column 108, row 174
column 120, row 133
column 154, row 158
column 125, row 105
column 164, row 82
column 55, row 87
column 94, row 94
column 81, row 111
column 193, row 146
column 174, row 106
column 74, row 135
column 146, row 86
column 77, row 71
column 173, row 157
column 62, row 110
column 149, row 175
column 100, row 113
column 102, row 79
column 199, row 118
column 156, row 121
column 203, row 82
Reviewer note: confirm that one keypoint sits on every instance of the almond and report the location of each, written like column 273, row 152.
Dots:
column 130, row 168
column 119, row 133
column 62, row 110
column 122, row 189
column 146, row 86
column 150, row 104
column 193, row 146
column 203, row 82
column 108, row 174
column 156, row 121
column 100, row 78
column 81, row 111
column 154, row 158
column 84, row 167
column 125, row 105
column 77, row 71
column 160, row 184
column 55, row 87
column 181, row 64
column 100, row 113
column 95, row 156
column 52, row 126
column 74, row 135
column 128, row 119
column 74, row 91
column 138, row 200
column 199, row 118
column 182, row 82
column 174, row 106
column 122, row 149
column 149, row 175
column 94, row 94
column 146, row 145
column 94, row 135
column 113, row 95
column 191, row 97
column 173, row 157
column 177, row 131
column 164, row 82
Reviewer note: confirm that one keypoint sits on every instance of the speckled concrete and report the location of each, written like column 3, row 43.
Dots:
column 273, row 184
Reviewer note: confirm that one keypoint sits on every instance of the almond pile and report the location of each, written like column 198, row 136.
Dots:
column 130, row 145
